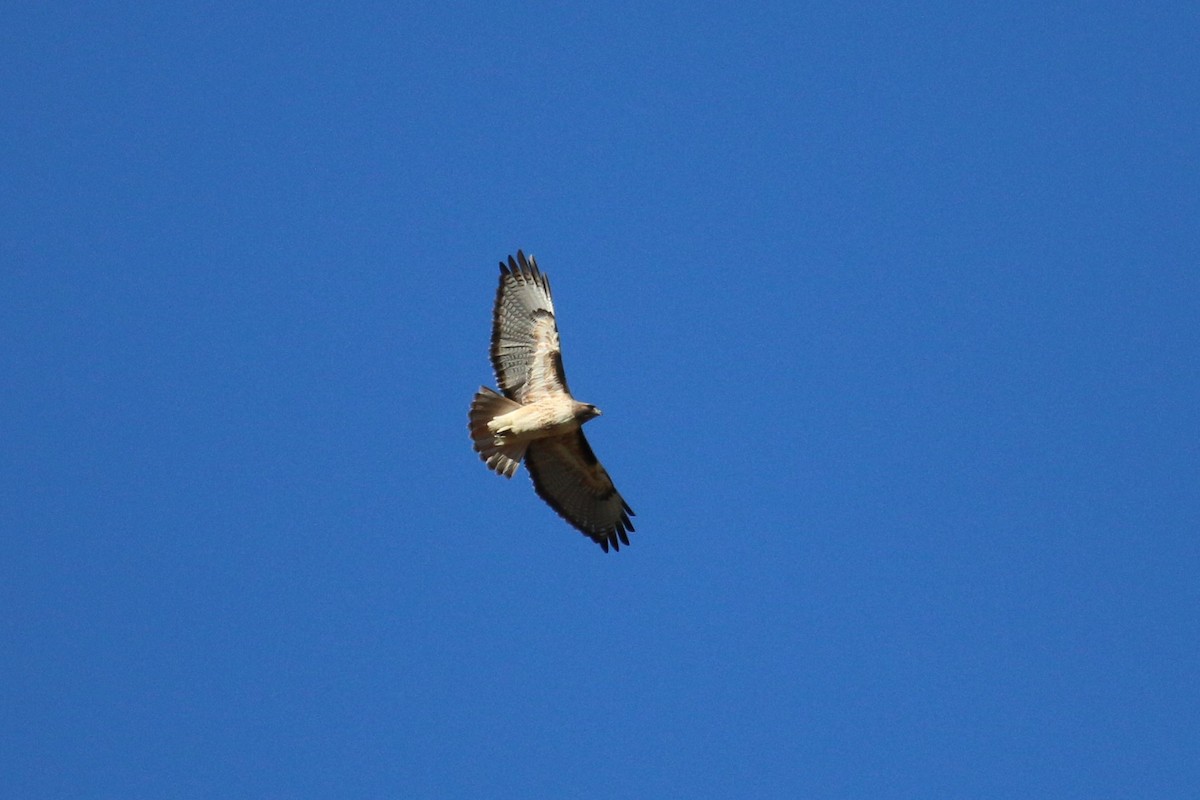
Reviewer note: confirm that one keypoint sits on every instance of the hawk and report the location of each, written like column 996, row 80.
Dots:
column 536, row 419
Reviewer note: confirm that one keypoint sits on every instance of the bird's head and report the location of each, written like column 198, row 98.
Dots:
column 586, row 411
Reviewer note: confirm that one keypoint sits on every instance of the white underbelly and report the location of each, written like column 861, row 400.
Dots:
column 534, row 421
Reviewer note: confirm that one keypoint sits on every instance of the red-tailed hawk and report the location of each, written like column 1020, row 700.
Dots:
column 537, row 419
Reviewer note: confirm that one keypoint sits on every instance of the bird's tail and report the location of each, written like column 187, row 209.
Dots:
column 502, row 457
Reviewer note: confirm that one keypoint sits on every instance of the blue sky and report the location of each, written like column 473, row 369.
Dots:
column 892, row 311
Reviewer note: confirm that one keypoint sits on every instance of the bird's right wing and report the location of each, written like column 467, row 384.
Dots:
column 567, row 475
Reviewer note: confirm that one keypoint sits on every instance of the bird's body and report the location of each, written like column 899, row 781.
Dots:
column 536, row 420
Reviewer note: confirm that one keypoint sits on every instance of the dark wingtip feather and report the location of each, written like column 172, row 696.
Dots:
column 524, row 269
column 529, row 268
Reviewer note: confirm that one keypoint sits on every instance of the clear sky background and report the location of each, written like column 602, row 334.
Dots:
column 893, row 312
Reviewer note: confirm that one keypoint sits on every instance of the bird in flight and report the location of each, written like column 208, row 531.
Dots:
column 536, row 419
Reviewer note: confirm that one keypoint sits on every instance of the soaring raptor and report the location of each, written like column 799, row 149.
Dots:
column 536, row 418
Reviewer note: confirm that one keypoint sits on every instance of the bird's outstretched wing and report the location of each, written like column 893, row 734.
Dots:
column 567, row 475
column 525, row 350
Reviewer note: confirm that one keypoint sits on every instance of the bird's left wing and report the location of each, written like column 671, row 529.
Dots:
column 525, row 349
column 567, row 475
